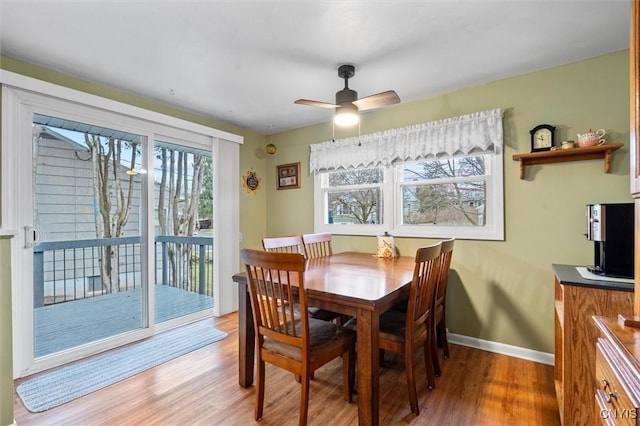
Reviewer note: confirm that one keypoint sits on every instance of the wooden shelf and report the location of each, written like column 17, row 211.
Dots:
column 563, row 155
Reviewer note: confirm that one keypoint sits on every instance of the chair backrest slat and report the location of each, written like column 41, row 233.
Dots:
column 289, row 244
column 317, row 245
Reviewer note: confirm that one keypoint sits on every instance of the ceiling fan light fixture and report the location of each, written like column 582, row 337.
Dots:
column 346, row 115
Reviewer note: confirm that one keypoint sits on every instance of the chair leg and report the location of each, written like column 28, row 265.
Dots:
column 442, row 333
column 304, row 399
column 348, row 374
column 299, row 379
column 431, row 380
column 352, row 373
column 411, row 381
column 434, row 354
column 260, row 390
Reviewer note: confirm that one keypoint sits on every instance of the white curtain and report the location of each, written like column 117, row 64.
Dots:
column 476, row 133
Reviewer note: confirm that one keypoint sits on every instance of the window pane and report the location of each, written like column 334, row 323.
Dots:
column 183, row 202
column 361, row 206
column 356, row 177
column 460, row 204
column 444, row 169
column 88, row 198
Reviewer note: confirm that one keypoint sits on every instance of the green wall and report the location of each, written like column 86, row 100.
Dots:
column 501, row 291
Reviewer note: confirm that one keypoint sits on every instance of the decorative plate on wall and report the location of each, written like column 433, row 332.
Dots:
column 251, row 182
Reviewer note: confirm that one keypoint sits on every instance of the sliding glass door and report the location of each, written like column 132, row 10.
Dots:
column 117, row 224
column 86, row 237
column 183, row 224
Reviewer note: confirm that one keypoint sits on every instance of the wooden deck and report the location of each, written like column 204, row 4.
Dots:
column 66, row 325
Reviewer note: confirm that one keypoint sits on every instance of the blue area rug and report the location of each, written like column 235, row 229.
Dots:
column 66, row 384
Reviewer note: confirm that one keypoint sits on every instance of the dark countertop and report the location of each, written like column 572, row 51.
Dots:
column 569, row 275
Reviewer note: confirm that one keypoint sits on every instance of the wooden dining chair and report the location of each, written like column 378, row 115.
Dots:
column 403, row 332
column 439, row 316
column 288, row 244
column 285, row 338
column 295, row 244
column 317, row 245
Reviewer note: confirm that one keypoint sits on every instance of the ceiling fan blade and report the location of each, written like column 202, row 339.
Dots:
column 389, row 97
column 314, row 103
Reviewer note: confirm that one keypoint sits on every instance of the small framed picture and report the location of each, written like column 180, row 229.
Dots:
column 288, row 176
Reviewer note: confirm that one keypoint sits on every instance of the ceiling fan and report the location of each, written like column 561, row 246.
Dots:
column 347, row 103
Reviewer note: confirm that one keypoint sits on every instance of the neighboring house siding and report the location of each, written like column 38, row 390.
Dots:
column 64, row 210
column 64, row 199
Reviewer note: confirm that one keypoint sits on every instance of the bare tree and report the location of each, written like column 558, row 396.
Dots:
column 363, row 205
column 113, row 190
column 448, row 202
column 178, row 201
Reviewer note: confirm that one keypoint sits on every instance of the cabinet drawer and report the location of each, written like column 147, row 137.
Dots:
column 613, row 404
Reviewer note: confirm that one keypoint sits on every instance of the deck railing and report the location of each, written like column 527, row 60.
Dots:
column 71, row 270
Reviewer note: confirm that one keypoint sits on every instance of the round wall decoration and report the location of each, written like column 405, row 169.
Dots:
column 251, row 182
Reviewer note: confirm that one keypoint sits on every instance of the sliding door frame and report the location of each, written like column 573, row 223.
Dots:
column 21, row 96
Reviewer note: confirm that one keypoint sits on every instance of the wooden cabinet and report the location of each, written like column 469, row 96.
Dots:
column 617, row 374
column 576, row 301
column 617, row 364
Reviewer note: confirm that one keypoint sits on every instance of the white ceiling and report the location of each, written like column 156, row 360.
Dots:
column 245, row 62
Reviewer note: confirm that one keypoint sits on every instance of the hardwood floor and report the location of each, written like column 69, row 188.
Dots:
column 201, row 388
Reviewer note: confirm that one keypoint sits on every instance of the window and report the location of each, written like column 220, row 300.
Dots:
column 353, row 200
column 458, row 197
column 435, row 180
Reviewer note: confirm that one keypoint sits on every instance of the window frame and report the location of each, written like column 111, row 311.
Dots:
column 320, row 214
column 392, row 210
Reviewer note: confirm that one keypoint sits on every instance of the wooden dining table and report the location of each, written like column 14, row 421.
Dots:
column 355, row 284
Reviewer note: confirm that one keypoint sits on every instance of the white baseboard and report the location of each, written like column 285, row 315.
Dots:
column 501, row 348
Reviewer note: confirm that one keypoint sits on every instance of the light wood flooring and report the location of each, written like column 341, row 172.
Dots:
column 201, row 388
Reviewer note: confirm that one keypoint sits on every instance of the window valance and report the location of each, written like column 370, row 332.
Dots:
column 476, row 133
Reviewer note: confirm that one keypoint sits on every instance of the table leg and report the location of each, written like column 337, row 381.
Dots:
column 246, row 337
column 368, row 368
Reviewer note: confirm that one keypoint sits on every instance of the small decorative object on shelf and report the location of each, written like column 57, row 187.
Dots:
column 542, row 137
column 568, row 144
column 591, row 138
